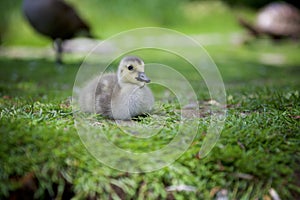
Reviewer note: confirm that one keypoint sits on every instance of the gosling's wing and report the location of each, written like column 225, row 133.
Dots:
column 96, row 95
column 106, row 86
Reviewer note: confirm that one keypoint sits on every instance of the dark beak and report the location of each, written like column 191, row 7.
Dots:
column 143, row 78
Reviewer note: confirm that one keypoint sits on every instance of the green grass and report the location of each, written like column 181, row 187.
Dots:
column 42, row 154
column 258, row 148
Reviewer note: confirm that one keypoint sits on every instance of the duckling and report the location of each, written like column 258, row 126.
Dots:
column 55, row 19
column 120, row 95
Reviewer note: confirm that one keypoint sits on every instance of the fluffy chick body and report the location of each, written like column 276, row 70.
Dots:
column 119, row 96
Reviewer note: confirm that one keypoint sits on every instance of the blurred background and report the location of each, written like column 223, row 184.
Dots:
column 109, row 18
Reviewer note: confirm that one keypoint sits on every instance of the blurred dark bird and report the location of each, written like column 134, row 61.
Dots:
column 55, row 19
column 278, row 20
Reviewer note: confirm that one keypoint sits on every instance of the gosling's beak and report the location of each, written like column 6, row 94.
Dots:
column 142, row 77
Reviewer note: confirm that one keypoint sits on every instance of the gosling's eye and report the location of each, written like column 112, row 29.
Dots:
column 130, row 67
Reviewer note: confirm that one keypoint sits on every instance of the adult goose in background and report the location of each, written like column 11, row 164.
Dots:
column 55, row 19
column 120, row 95
column 278, row 20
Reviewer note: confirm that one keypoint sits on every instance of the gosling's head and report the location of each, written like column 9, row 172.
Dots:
column 131, row 70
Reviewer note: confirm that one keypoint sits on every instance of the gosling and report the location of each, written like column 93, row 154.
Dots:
column 119, row 96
